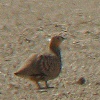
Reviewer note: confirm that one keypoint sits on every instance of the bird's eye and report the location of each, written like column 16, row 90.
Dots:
column 60, row 38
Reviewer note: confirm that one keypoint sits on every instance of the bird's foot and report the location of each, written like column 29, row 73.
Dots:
column 49, row 87
column 43, row 88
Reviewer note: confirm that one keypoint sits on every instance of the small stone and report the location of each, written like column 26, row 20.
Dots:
column 28, row 40
column 15, row 92
column 81, row 81
column 95, row 94
column 75, row 42
column 48, row 39
column 11, row 85
column 87, row 32
column 97, row 83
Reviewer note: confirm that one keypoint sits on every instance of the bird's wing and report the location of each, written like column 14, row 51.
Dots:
column 49, row 64
column 46, row 64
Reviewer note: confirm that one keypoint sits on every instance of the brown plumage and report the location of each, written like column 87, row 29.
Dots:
column 43, row 67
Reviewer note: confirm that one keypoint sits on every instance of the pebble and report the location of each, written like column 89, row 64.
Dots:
column 81, row 81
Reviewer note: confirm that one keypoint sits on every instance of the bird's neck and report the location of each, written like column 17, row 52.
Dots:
column 55, row 50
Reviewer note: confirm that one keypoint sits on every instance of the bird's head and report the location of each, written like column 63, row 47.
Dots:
column 56, row 41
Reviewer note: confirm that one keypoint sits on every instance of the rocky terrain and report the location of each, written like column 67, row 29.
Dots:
column 25, row 28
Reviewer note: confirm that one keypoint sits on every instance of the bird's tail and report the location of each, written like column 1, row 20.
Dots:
column 16, row 73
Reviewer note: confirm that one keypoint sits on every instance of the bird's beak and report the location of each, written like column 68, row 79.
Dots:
column 49, row 39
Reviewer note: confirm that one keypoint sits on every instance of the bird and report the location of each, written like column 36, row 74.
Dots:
column 43, row 67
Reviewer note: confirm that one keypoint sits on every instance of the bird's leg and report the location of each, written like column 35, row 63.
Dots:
column 47, row 86
column 38, row 85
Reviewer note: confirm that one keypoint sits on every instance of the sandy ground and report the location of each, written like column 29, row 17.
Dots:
column 38, row 20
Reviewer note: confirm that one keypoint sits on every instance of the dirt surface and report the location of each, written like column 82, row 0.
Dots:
column 25, row 28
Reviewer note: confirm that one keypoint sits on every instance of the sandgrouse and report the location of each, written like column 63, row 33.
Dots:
column 43, row 67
